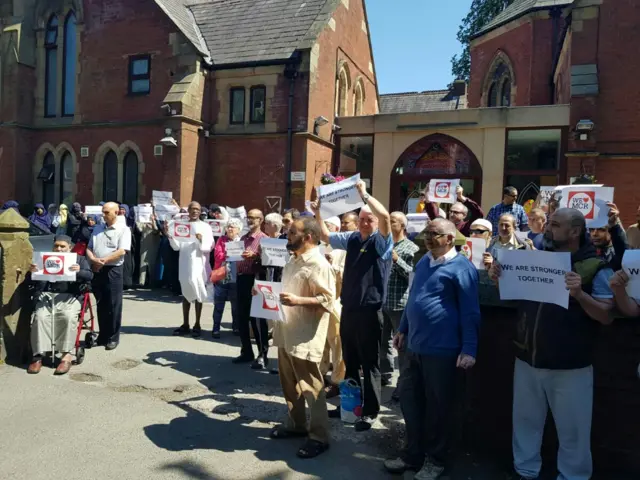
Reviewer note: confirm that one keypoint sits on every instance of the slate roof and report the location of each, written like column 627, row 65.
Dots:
column 414, row 102
column 183, row 18
column 518, row 9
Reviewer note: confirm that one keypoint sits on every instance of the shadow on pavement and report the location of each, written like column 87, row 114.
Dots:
column 156, row 295
column 192, row 470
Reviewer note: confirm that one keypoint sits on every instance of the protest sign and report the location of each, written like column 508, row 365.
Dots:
column 54, row 266
column 217, row 226
column 631, row 266
column 416, row 222
column 121, row 220
column 161, row 198
column 241, row 214
column 266, row 304
column 166, row 212
column 474, row 250
column 274, row 252
column 522, row 235
column 143, row 213
column 184, row 232
column 535, row 275
column 338, row 198
column 93, row 209
column 443, row 191
column 234, row 251
column 590, row 200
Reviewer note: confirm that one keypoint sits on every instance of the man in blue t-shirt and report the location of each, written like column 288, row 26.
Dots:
column 364, row 285
column 439, row 329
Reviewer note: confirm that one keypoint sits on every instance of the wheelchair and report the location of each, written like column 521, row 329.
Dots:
column 91, row 337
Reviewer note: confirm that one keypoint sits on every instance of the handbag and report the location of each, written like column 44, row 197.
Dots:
column 218, row 274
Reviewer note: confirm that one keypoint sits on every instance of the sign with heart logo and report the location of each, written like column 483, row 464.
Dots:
column 589, row 200
column 473, row 250
column 54, row 266
column 266, row 301
column 182, row 231
column 442, row 191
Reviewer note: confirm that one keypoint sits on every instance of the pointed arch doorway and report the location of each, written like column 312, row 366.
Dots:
column 434, row 156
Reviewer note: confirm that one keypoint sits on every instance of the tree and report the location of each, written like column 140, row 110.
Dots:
column 480, row 13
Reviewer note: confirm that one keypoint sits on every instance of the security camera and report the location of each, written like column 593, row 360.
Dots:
column 336, row 128
column 169, row 142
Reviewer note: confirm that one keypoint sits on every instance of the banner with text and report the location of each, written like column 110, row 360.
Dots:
column 631, row 266
column 534, row 275
column 166, row 212
column 161, row 198
column 184, row 232
column 266, row 304
column 338, row 198
column 416, row 222
column 590, row 200
column 474, row 250
column 217, row 226
column 443, row 191
column 93, row 210
column 274, row 252
column 234, row 251
column 54, row 266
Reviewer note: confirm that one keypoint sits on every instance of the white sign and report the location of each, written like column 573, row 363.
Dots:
column 474, row 250
column 266, row 304
column 54, row 266
column 298, row 176
column 338, row 198
column 143, row 213
column 590, row 201
column 545, row 195
column 522, row 235
column 535, row 275
column 184, row 232
column 241, row 214
column 274, row 252
column 93, row 209
column 217, row 226
column 234, row 251
column 631, row 266
column 161, row 198
column 442, row 191
column 416, row 222
column 166, row 212
column 307, row 206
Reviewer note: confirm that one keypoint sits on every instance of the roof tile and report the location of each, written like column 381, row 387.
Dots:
column 519, row 8
column 415, row 102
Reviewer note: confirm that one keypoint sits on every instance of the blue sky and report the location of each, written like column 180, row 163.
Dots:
column 413, row 42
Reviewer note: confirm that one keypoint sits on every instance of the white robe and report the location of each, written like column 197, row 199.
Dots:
column 193, row 267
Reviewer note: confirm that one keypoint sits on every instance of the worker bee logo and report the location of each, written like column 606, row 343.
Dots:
column 467, row 250
column 269, row 299
column 182, row 230
column 443, row 189
column 584, row 202
column 53, row 264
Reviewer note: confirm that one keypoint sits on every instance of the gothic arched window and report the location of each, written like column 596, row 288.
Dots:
column 66, row 179
column 499, row 83
column 358, row 100
column 51, row 67
column 48, row 176
column 110, row 177
column 69, row 65
column 130, row 180
column 342, row 89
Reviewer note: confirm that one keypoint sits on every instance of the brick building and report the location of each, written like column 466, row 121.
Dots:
column 214, row 101
column 576, row 52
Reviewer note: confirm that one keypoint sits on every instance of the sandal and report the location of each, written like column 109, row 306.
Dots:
column 312, row 448
column 279, row 432
column 196, row 332
column 183, row 330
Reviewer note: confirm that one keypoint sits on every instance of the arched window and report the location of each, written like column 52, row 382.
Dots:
column 66, row 179
column 343, row 87
column 110, row 177
column 69, row 74
column 358, row 100
column 130, row 181
column 48, row 176
column 51, row 67
column 499, row 93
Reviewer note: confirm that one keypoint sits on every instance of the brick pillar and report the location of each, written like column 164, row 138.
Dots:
column 16, row 255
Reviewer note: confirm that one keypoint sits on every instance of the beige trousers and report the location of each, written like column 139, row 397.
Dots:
column 333, row 352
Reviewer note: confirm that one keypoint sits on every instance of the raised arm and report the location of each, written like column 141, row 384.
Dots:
column 384, row 219
column 324, row 231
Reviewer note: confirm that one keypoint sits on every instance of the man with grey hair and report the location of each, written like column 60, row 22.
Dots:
column 439, row 328
column 464, row 212
column 402, row 266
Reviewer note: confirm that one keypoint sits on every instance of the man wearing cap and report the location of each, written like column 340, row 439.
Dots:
column 57, row 311
column 481, row 228
column 107, row 247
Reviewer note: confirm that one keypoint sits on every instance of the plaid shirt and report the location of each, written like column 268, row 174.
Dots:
column 251, row 243
column 399, row 277
column 514, row 209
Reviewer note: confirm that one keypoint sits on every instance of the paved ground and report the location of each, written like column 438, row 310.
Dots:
column 164, row 407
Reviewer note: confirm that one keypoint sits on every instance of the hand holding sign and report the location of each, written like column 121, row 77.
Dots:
column 266, row 303
column 289, row 299
column 443, row 191
column 183, row 232
column 592, row 201
column 573, row 284
column 54, row 267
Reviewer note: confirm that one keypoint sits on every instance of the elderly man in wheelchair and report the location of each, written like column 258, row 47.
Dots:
column 57, row 311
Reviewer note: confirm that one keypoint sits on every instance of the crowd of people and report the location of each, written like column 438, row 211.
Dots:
column 354, row 288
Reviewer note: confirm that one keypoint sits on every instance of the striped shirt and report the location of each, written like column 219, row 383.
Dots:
column 399, row 277
column 251, row 243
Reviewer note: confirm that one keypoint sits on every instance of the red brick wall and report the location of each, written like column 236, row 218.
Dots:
column 348, row 43
column 563, row 79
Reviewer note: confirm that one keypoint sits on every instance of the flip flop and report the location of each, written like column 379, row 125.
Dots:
column 279, row 432
column 312, row 448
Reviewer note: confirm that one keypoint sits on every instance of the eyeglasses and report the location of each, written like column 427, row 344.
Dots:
column 478, row 231
column 429, row 234
column 456, row 212
column 254, row 218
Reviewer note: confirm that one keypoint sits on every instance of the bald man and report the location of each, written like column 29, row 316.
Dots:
column 107, row 247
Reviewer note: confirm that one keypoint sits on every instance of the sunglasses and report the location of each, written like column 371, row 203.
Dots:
column 429, row 234
column 478, row 231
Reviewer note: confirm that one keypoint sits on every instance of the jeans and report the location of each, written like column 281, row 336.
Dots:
column 224, row 292
column 391, row 324
column 569, row 394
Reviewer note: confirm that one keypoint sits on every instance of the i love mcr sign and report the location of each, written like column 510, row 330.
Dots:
column 54, row 266
column 585, row 202
column 589, row 200
column 442, row 191
column 182, row 231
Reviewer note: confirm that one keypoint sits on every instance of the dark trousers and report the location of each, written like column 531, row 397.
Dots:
column 259, row 326
column 427, row 394
column 361, row 332
column 107, row 287
column 391, row 324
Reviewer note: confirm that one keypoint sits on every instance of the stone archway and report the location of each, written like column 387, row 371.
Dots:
column 434, row 156
column 120, row 151
column 58, row 153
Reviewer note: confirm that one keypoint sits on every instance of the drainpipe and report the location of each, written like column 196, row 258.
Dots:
column 291, row 73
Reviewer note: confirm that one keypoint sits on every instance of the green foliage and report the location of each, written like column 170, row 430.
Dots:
column 480, row 13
